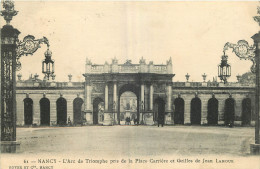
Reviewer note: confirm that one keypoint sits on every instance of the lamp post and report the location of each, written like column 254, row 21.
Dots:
column 244, row 51
column 11, row 51
column 224, row 69
column 48, row 64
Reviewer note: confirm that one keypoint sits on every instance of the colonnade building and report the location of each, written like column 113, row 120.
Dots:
column 144, row 91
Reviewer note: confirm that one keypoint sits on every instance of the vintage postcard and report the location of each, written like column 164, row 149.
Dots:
column 130, row 84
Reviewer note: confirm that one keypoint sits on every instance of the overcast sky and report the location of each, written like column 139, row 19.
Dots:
column 192, row 33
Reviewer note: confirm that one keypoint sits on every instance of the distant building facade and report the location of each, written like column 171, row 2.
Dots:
column 112, row 92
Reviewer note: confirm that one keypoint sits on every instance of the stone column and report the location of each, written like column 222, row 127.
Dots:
column 115, row 115
column 88, row 108
column 221, row 109
column 151, row 97
column 108, row 116
column 149, row 115
column 142, row 104
column 53, row 108
column 168, row 113
column 204, row 108
column 169, row 98
column 20, row 109
column 36, row 108
column 187, row 102
column 70, row 99
column 85, row 97
column 106, row 97
column 88, row 97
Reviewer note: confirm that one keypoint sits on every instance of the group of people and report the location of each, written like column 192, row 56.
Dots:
column 160, row 121
column 128, row 121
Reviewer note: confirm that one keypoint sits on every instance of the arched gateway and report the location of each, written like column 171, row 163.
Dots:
column 109, row 81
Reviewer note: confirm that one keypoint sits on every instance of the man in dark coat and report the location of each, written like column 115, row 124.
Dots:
column 160, row 119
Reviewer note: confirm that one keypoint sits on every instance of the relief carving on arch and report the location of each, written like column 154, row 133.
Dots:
column 159, row 88
column 98, row 88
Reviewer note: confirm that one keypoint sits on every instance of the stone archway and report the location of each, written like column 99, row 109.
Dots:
column 179, row 111
column 229, row 114
column 128, row 88
column 212, row 111
column 96, row 109
column 159, row 110
column 246, row 111
column 195, row 111
column 77, row 106
column 45, row 111
column 61, row 105
column 28, row 111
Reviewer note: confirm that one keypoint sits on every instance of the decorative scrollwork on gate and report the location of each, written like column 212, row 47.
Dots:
column 244, row 51
column 28, row 46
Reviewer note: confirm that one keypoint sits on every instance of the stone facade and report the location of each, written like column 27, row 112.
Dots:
column 154, row 90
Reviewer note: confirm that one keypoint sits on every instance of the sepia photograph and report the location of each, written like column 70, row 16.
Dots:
column 130, row 84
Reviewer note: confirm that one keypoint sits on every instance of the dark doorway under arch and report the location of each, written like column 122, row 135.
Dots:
column 159, row 110
column 212, row 111
column 96, row 108
column 195, row 111
column 128, row 88
column 179, row 111
column 61, row 105
column 77, row 106
column 128, row 108
column 229, row 114
column 45, row 111
column 246, row 111
column 28, row 111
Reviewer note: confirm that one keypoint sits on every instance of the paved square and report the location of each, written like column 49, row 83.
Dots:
column 145, row 146
column 137, row 140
